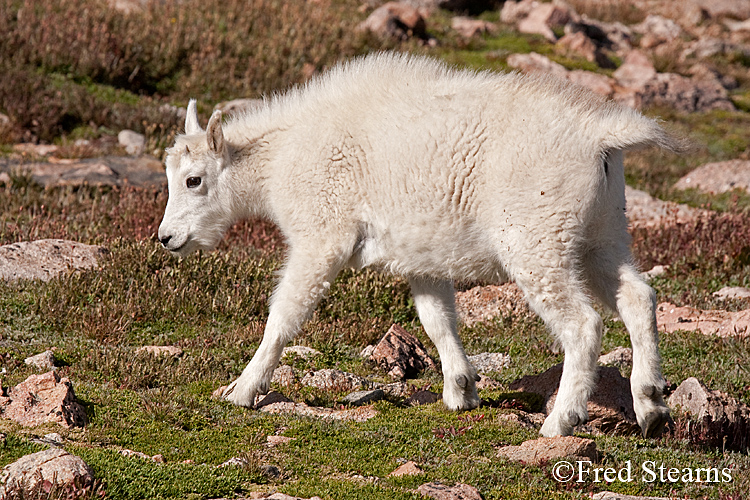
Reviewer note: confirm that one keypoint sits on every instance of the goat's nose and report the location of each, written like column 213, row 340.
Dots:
column 165, row 240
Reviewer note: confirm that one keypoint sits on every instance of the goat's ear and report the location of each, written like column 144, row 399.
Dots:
column 191, row 119
column 214, row 134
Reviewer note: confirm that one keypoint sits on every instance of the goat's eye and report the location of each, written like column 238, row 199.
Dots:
column 193, row 182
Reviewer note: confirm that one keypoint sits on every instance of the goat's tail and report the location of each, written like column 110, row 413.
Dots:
column 627, row 129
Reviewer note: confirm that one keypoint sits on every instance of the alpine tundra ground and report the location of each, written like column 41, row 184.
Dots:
column 64, row 83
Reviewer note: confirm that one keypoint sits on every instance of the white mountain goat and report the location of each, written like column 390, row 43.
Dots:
column 404, row 164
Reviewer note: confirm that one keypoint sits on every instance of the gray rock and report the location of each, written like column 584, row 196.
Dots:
column 636, row 70
column 395, row 390
column 704, row 48
column 733, row 292
column 513, row 12
column 53, row 439
column 620, row 356
column 26, row 475
column 595, row 82
column 360, row 398
column 737, row 9
column 133, row 142
column 300, row 351
column 46, row 259
column 693, row 397
column 643, row 210
column 459, row 491
column 484, row 303
column 134, row 454
column 490, row 361
column 105, row 171
column 275, row 440
column 44, row 361
column 233, row 462
column 358, row 414
column 485, row 382
column 642, row 86
column 127, row 6
column 284, row 376
column 657, row 270
column 611, row 36
column 717, row 419
column 284, row 496
column 334, row 380
column 577, row 42
column 367, row 351
column 705, row 71
column 270, row 471
column 737, row 25
column 35, row 149
column 161, row 350
column 523, row 419
column 657, row 29
column 686, row 94
column 536, row 63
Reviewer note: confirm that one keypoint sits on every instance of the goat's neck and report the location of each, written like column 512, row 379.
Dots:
column 248, row 156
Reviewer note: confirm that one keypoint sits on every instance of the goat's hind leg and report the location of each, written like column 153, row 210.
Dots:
column 619, row 286
column 435, row 305
column 306, row 278
column 557, row 296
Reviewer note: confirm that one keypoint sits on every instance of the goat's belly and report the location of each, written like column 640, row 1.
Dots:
column 461, row 258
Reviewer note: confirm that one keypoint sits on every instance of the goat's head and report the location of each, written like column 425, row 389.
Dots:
column 198, row 210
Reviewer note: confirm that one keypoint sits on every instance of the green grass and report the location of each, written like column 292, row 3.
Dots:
column 213, row 305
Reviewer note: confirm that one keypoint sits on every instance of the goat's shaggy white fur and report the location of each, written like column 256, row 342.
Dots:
column 404, row 164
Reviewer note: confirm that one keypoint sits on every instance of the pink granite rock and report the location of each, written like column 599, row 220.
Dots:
column 541, row 450
column 42, row 399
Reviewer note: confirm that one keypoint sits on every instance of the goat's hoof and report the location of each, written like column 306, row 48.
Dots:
column 653, row 424
column 461, row 394
column 554, row 425
column 239, row 395
column 228, row 390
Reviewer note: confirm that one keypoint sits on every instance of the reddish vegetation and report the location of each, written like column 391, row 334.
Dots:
column 721, row 240
column 175, row 49
column 88, row 215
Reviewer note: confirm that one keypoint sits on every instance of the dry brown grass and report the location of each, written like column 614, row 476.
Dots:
column 64, row 60
column 610, row 11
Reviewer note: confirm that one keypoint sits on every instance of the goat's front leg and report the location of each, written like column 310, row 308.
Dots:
column 306, row 279
column 437, row 312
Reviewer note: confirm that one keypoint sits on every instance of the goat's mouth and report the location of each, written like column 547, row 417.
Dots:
column 181, row 250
